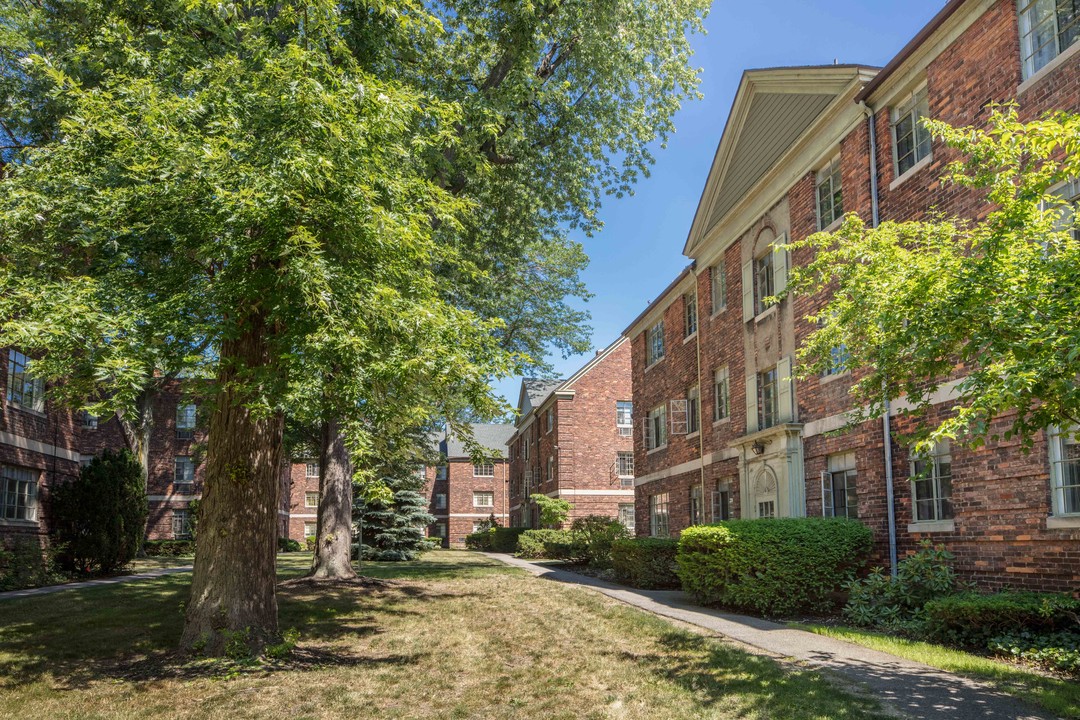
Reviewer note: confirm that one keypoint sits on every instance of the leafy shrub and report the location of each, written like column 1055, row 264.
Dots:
column 595, row 534
column 549, row 544
column 553, row 511
column 309, row 543
column 27, row 563
column 497, row 539
column 168, row 548
column 972, row 620
column 897, row 605
column 1058, row 651
column 99, row 519
column 645, row 562
column 772, row 566
column 480, row 540
column 285, row 544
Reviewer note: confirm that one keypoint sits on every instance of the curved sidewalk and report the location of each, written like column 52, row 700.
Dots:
column 49, row 589
column 906, row 688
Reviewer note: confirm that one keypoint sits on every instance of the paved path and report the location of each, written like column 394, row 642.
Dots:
column 908, row 689
column 49, row 589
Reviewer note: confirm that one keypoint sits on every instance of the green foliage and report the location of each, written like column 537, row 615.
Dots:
column 395, row 529
column 99, row 519
column 878, row 600
column 772, row 566
column 971, row 619
column 288, row 545
column 309, row 543
column 27, row 563
column 499, row 539
column 646, row 562
column 596, row 533
column 550, row 545
column 911, row 301
column 168, row 548
column 282, row 650
column 1059, row 651
column 553, row 511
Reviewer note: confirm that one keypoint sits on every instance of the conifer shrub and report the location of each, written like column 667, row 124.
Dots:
column 773, row 566
column 645, row 562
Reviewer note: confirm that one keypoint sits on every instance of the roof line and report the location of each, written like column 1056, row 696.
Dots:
column 648, row 309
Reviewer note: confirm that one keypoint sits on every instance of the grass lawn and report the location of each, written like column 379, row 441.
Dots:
column 455, row 635
column 1059, row 696
column 145, row 564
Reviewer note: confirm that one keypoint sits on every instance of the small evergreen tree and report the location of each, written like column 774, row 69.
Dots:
column 98, row 520
column 396, row 530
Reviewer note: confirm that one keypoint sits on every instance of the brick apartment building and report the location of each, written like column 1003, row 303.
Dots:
column 725, row 430
column 574, row 440
column 460, row 493
column 300, row 500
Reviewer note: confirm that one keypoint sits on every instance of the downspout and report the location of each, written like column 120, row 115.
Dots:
column 890, row 495
column 701, row 410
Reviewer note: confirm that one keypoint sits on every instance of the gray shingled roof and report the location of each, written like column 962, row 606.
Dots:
column 539, row 388
column 493, row 437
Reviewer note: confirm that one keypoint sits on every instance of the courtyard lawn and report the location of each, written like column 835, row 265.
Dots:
column 455, row 635
column 1059, row 696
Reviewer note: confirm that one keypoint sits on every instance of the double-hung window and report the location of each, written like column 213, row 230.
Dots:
column 311, row 499
column 1065, row 473
column 838, row 494
column 483, row 499
column 830, row 204
column 89, row 422
column 181, row 524
column 654, row 344
column 183, row 470
column 721, row 394
column 931, row 485
column 624, row 463
column 22, row 389
column 484, row 470
column 550, row 419
column 720, row 505
column 624, row 417
column 697, row 508
column 690, row 313
column 658, row 515
column 718, row 286
column 911, row 141
column 763, row 281
column 693, row 410
column 768, row 399
column 311, row 470
column 1047, row 29
column 656, row 427
column 185, row 422
column 440, row 501
column 18, row 493
column 626, row 516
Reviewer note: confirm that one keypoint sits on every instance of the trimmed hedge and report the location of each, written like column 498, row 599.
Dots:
column 645, row 562
column 285, row 544
column 549, row 544
column 499, row 539
column 168, row 548
column 973, row 620
column 773, row 566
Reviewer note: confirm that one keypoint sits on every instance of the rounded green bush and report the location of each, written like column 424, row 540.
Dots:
column 646, row 562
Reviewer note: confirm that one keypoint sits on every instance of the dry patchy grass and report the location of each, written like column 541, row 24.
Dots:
column 454, row 635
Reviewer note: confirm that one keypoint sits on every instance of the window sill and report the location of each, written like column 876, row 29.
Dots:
column 691, row 436
column 689, row 337
column 831, row 227
column 656, row 449
column 654, row 364
column 28, row 411
column 771, row 310
column 835, row 376
column 911, row 171
column 932, row 527
column 1049, row 68
column 18, row 523
column 1063, row 522
column 721, row 421
column 718, row 312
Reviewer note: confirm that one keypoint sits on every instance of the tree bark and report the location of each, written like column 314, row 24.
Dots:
column 233, row 587
column 333, row 539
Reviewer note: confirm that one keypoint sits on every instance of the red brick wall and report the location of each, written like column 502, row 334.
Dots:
column 459, row 486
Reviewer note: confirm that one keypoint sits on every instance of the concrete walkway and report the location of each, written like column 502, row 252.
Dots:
column 49, row 589
column 906, row 688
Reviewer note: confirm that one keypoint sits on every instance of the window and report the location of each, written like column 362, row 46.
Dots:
column 181, row 523
column 440, row 471
column 911, row 141
column 658, row 515
column 721, row 394
column 85, row 460
column 626, row 516
column 624, row 464
column 1047, row 29
column 838, row 495
column 483, row 499
column 22, row 389
column 1065, row 474
column 550, row 419
column 438, row 530
column 696, row 509
column 624, row 417
column 18, row 493
column 720, row 509
column 931, row 485
column 768, row 399
column 310, row 529
column 838, row 359
column 311, row 499
column 1069, row 195
column 550, row 469
column 830, row 205
column 763, row 281
column 718, row 286
column 766, row 509
column 483, row 470
column 656, row 428
column 440, row 501
column 693, row 410
column 690, row 314
column 311, row 470
column 89, row 422
column 654, row 343
column 183, row 470
column 185, row 422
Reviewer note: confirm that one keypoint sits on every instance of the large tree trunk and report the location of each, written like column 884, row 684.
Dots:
column 233, row 586
column 334, row 536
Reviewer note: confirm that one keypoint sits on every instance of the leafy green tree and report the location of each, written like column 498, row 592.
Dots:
column 98, row 519
column 553, row 511
column 992, row 301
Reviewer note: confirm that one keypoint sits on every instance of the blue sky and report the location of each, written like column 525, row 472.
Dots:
column 639, row 251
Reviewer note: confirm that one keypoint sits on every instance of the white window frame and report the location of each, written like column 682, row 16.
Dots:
column 18, row 493
column 718, row 286
column 185, row 421
column 654, row 344
column 913, row 107
column 626, row 516
column 720, row 507
column 1029, row 54
column 693, row 410
column 484, row 470
column 483, row 499
column 31, row 393
column 311, row 470
column 721, row 394
column 183, row 470
column 311, row 499
column 939, row 482
column 181, row 523
column 841, row 469
column 659, row 515
column 829, row 194
column 656, row 427
column 764, row 280
column 697, row 505
column 690, row 314
column 624, row 417
column 550, row 419
column 624, row 464
column 311, row 526
column 1060, row 441
column 89, row 422
column 771, row 403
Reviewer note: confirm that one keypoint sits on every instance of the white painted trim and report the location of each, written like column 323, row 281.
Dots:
column 305, row 516
column 473, row 515
column 1062, row 522
column 911, row 170
column 591, row 493
column 1048, row 68
column 178, row 497
column 24, row 443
